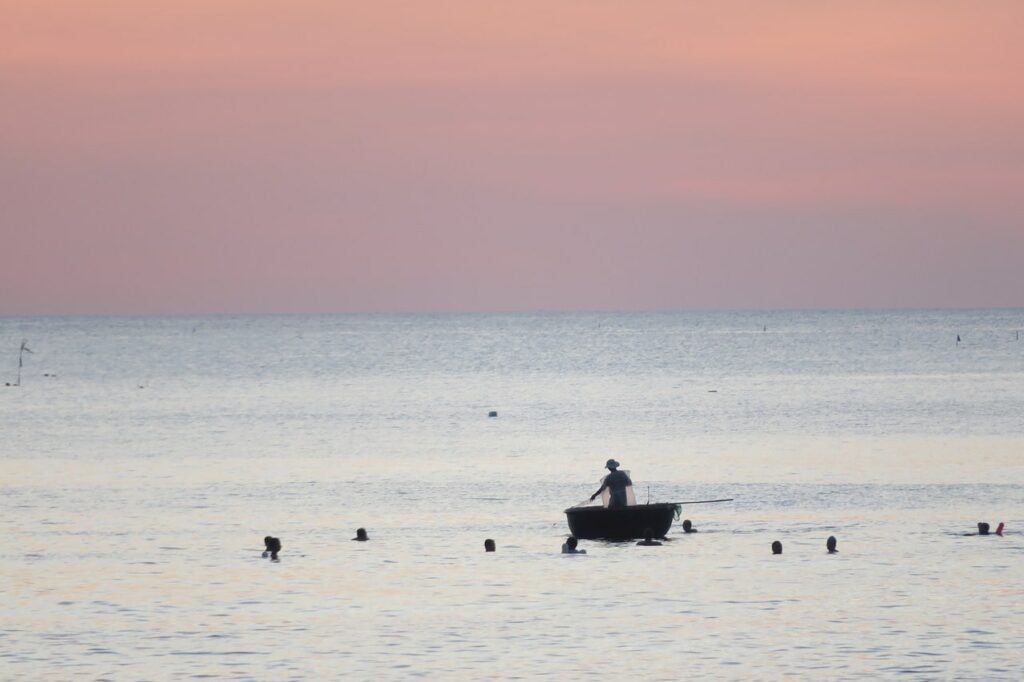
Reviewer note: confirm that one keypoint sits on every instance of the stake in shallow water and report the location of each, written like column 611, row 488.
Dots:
column 21, row 354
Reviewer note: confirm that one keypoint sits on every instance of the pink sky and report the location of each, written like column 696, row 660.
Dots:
column 306, row 156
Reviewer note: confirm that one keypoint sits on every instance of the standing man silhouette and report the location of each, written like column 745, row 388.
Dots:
column 616, row 481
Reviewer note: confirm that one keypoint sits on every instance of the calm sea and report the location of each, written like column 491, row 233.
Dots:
column 143, row 459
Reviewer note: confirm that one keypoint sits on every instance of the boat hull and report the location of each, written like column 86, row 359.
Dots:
column 624, row 523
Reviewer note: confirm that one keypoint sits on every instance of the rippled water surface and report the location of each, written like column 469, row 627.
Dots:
column 138, row 482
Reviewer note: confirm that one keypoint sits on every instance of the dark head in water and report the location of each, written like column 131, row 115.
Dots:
column 569, row 546
column 488, row 545
column 688, row 526
column 273, row 546
column 776, row 547
column 982, row 528
column 830, row 544
column 361, row 535
column 648, row 538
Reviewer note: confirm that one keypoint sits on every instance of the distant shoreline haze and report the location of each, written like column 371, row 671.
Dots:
column 509, row 312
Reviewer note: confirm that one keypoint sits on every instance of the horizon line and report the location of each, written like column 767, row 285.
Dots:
column 514, row 311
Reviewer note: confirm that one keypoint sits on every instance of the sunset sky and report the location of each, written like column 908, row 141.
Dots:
column 321, row 156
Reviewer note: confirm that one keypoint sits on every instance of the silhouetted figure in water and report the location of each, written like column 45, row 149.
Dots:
column 273, row 546
column 983, row 529
column 570, row 546
column 688, row 527
column 649, row 540
column 776, row 547
column 361, row 535
column 488, row 545
column 830, row 545
column 616, row 481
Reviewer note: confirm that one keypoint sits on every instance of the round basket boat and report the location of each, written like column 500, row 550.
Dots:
column 622, row 523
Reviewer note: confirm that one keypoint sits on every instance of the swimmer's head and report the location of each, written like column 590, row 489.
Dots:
column 982, row 528
column 488, row 545
column 830, row 544
column 776, row 547
column 687, row 526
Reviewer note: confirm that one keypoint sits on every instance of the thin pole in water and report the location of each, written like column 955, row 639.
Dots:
column 21, row 352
